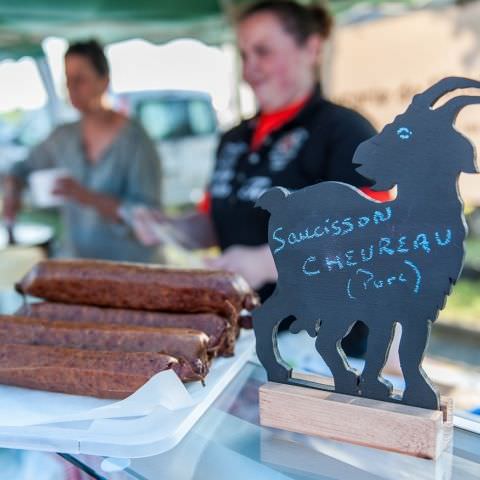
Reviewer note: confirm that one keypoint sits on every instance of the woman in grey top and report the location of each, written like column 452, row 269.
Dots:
column 112, row 164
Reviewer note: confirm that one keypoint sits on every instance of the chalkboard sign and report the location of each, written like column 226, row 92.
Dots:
column 343, row 257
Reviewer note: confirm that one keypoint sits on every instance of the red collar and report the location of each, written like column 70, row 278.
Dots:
column 268, row 122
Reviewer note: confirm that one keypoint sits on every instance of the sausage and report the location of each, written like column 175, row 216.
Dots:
column 138, row 286
column 190, row 345
column 103, row 374
column 221, row 334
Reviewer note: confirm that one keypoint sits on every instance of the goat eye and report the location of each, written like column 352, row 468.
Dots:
column 404, row 133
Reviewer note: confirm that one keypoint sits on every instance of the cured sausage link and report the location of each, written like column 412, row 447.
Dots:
column 138, row 286
column 81, row 372
column 221, row 334
column 191, row 345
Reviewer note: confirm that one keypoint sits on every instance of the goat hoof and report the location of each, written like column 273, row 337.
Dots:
column 279, row 375
column 379, row 389
column 423, row 399
column 347, row 384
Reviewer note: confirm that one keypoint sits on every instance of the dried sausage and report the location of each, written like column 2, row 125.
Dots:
column 101, row 374
column 221, row 334
column 138, row 286
column 190, row 345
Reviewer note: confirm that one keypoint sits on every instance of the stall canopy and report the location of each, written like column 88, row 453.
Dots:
column 25, row 23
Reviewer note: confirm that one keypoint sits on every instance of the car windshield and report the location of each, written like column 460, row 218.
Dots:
column 173, row 118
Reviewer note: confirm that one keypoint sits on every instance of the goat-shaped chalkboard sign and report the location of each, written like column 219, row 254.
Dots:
column 343, row 257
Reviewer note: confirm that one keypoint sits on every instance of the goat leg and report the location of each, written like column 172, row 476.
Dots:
column 372, row 385
column 419, row 391
column 328, row 341
column 266, row 320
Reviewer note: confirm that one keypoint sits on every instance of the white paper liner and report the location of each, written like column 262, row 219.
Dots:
column 21, row 407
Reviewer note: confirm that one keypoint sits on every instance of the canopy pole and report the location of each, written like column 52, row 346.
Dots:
column 53, row 102
column 228, row 9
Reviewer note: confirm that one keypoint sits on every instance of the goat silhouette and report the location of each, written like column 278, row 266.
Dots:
column 343, row 257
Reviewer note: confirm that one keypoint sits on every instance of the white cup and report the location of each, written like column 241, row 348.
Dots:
column 42, row 183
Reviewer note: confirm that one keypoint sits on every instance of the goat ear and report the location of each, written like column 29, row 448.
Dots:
column 271, row 198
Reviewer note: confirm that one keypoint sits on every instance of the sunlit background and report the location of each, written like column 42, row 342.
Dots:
column 136, row 65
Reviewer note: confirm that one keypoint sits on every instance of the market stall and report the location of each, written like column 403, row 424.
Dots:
column 134, row 371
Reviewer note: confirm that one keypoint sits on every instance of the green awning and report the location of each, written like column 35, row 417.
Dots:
column 25, row 23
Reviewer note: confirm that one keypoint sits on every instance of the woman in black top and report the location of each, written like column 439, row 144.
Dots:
column 297, row 139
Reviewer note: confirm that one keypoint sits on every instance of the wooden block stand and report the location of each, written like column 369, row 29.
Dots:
column 384, row 425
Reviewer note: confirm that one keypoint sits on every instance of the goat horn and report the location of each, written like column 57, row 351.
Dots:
column 453, row 106
column 432, row 94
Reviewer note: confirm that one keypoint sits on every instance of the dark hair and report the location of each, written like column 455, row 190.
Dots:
column 298, row 20
column 93, row 51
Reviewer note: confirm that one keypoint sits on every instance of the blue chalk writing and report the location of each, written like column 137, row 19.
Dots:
column 332, row 263
column 417, row 273
column 383, row 245
column 401, row 245
column 368, row 274
column 420, row 244
column 422, row 241
column 292, row 239
column 349, row 293
column 368, row 280
column 389, row 246
column 278, row 239
column 317, row 233
column 349, row 256
column 370, row 253
column 327, row 230
column 447, row 240
column 308, row 235
column 363, row 221
column 380, row 217
column 300, row 237
column 336, row 229
column 348, row 224
column 404, row 133
column 310, row 272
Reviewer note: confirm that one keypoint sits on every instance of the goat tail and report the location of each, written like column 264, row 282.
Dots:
column 272, row 198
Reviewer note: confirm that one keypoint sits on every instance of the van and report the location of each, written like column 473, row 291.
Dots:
column 183, row 126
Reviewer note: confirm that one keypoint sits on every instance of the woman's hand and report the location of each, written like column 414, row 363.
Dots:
column 189, row 231
column 72, row 190
column 147, row 224
column 255, row 264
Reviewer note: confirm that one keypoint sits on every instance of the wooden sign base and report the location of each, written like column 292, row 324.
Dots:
column 384, row 425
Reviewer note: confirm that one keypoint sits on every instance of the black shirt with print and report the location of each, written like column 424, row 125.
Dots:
column 316, row 145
